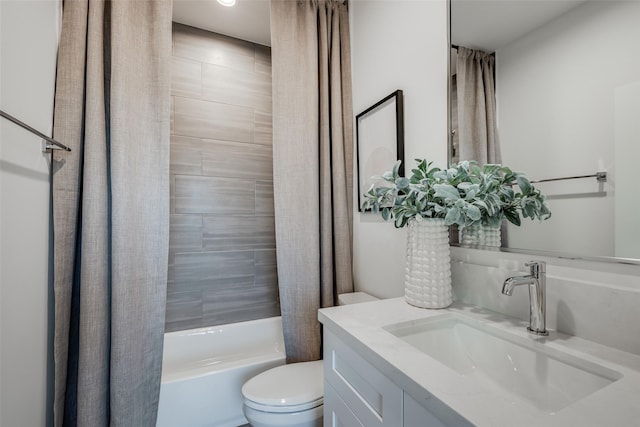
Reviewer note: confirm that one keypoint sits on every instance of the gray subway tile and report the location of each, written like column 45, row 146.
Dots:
column 212, row 120
column 238, row 232
column 204, row 270
column 262, row 128
column 264, row 198
column 238, row 304
column 183, row 325
column 184, row 306
column 172, row 115
column 241, row 314
column 185, row 233
column 186, row 78
column 242, row 88
column 172, row 194
column 205, row 46
column 237, row 160
column 208, row 195
column 266, row 269
column 263, row 59
column 185, row 155
column 222, row 258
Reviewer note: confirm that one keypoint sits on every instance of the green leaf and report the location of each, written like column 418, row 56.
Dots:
column 473, row 212
column 481, row 204
column 386, row 214
column 492, row 169
column 422, row 165
column 402, row 183
column 446, row 191
column 452, row 217
column 396, row 168
column 512, row 216
column 441, row 175
column 507, row 193
column 524, row 184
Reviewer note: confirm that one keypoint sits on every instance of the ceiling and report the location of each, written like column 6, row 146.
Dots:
column 477, row 24
column 247, row 20
column 491, row 24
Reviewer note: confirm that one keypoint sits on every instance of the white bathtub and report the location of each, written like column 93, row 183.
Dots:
column 203, row 371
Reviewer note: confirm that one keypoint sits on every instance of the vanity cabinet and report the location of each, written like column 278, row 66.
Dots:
column 358, row 394
column 336, row 412
column 415, row 415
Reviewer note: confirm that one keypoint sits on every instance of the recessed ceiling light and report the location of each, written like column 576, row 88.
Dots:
column 227, row 3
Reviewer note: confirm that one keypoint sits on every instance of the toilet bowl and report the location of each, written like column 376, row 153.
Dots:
column 290, row 395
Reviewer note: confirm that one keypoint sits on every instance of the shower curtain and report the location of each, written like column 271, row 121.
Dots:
column 312, row 164
column 110, row 199
column 477, row 129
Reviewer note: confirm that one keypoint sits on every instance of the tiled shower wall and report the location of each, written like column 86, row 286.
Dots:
column 222, row 261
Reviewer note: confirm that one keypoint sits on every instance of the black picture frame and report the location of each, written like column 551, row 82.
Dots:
column 379, row 140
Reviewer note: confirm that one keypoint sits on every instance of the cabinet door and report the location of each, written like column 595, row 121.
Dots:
column 371, row 396
column 336, row 412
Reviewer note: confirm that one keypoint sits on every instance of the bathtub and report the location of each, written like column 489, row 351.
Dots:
column 203, row 371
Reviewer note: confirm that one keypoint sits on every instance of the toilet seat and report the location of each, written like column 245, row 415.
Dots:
column 288, row 388
column 293, row 408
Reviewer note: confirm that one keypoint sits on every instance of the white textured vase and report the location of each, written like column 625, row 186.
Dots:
column 427, row 280
column 482, row 235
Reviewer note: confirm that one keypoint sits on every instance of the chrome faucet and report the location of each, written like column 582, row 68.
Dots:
column 537, row 289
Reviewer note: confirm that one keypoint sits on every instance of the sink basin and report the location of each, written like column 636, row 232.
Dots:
column 497, row 360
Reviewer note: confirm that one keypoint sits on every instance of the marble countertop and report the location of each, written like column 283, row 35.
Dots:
column 427, row 380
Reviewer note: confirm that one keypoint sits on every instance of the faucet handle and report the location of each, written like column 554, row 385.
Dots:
column 536, row 267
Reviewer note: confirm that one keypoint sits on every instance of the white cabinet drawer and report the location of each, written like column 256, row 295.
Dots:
column 371, row 396
column 336, row 412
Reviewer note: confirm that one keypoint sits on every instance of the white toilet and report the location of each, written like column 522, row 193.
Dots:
column 290, row 395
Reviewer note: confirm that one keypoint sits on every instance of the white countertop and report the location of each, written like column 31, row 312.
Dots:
column 361, row 326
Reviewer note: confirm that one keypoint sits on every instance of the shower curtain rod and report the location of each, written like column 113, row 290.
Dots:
column 456, row 47
column 52, row 143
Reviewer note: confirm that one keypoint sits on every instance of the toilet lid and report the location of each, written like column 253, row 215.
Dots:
column 292, row 387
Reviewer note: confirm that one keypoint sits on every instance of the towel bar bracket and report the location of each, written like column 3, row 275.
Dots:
column 46, row 146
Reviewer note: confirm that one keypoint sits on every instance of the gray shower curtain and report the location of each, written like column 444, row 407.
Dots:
column 477, row 129
column 313, row 162
column 111, row 211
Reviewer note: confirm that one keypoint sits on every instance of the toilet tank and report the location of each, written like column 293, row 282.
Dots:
column 355, row 298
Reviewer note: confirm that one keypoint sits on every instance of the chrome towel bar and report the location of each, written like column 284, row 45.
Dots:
column 51, row 143
column 599, row 176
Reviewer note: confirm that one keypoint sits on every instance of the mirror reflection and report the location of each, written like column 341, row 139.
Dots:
column 552, row 89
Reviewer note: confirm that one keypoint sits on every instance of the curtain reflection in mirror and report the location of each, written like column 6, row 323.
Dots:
column 476, row 134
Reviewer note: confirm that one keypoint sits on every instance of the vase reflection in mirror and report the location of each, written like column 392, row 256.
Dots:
column 481, row 235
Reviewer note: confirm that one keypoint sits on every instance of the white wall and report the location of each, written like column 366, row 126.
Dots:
column 398, row 44
column 556, row 90
column 29, row 39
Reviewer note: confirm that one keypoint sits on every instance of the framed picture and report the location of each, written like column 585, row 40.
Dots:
column 379, row 140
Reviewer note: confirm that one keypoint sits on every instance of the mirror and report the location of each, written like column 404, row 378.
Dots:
column 567, row 104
